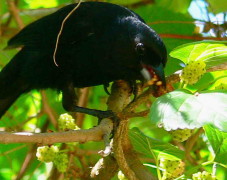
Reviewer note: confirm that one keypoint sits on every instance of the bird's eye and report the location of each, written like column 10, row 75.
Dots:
column 140, row 49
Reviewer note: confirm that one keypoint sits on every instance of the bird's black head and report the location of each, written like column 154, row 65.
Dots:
column 150, row 51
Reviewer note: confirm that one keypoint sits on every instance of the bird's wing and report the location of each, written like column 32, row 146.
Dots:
column 43, row 32
column 89, row 18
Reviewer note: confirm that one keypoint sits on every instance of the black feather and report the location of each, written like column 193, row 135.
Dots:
column 97, row 46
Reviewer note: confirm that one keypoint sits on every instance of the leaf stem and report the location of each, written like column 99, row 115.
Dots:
column 207, row 163
column 182, row 85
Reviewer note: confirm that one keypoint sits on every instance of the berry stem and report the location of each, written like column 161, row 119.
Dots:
column 157, row 164
column 207, row 163
column 214, row 169
column 181, row 84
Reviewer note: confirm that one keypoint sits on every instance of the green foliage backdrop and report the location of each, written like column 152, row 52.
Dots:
column 176, row 25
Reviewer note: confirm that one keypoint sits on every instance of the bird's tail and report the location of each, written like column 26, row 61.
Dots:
column 11, row 84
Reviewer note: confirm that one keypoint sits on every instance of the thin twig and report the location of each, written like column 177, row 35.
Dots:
column 219, row 67
column 196, row 38
column 12, row 150
column 137, row 114
column 142, row 98
column 190, row 144
column 61, row 29
column 48, row 110
column 30, row 156
column 83, row 100
column 15, row 13
column 176, row 22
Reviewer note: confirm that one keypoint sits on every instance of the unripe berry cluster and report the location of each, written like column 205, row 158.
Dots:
column 121, row 176
column 181, row 135
column 221, row 86
column 172, row 168
column 66, row 122
column 61, row 162
column 47, row 153
column 203, row 176
column 51, row 154
column 193, row 71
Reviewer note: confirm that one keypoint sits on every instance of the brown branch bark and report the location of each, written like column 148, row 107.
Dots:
column 117, row 100
column 15, row 13
column 126, row 158
column 105, row 169
column 135, row 164
column 176, row 22
column 122, row 148
column 138, row 114
column 48, row 110
column 93, row 134
column 196, row 38
column 83, row 100
column 142, row 98
column 190, row 144
column 120, row 142
column 219, row 67
column 121, row 91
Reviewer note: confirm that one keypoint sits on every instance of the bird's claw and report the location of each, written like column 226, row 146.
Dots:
column 105, row 114
column 106, row 88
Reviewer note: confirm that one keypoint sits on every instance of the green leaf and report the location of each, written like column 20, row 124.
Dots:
column 212, row 52
column 218, row 141
column 175, row 5
column 128, row 2
column 147, row 145
column 181, row 109
column 34, row 4
column 217, row 6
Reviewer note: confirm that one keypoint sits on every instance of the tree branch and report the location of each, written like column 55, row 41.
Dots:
column 127, row 160
column 190, row 143
column 48, row 110
column 15, row 13
column 83, row 100
column 196, row 38
column 122, row 148
column 93, row 134
column 141, row 98
column 219, row 67
column 105, row 168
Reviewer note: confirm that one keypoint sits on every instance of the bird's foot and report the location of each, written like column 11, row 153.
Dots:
column 106, row 86
column 104, row 114
column 93, row 112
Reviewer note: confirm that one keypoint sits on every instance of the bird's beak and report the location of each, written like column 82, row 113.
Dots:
column 154, row 74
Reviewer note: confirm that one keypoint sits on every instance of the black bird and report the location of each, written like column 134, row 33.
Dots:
column 100, row 43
